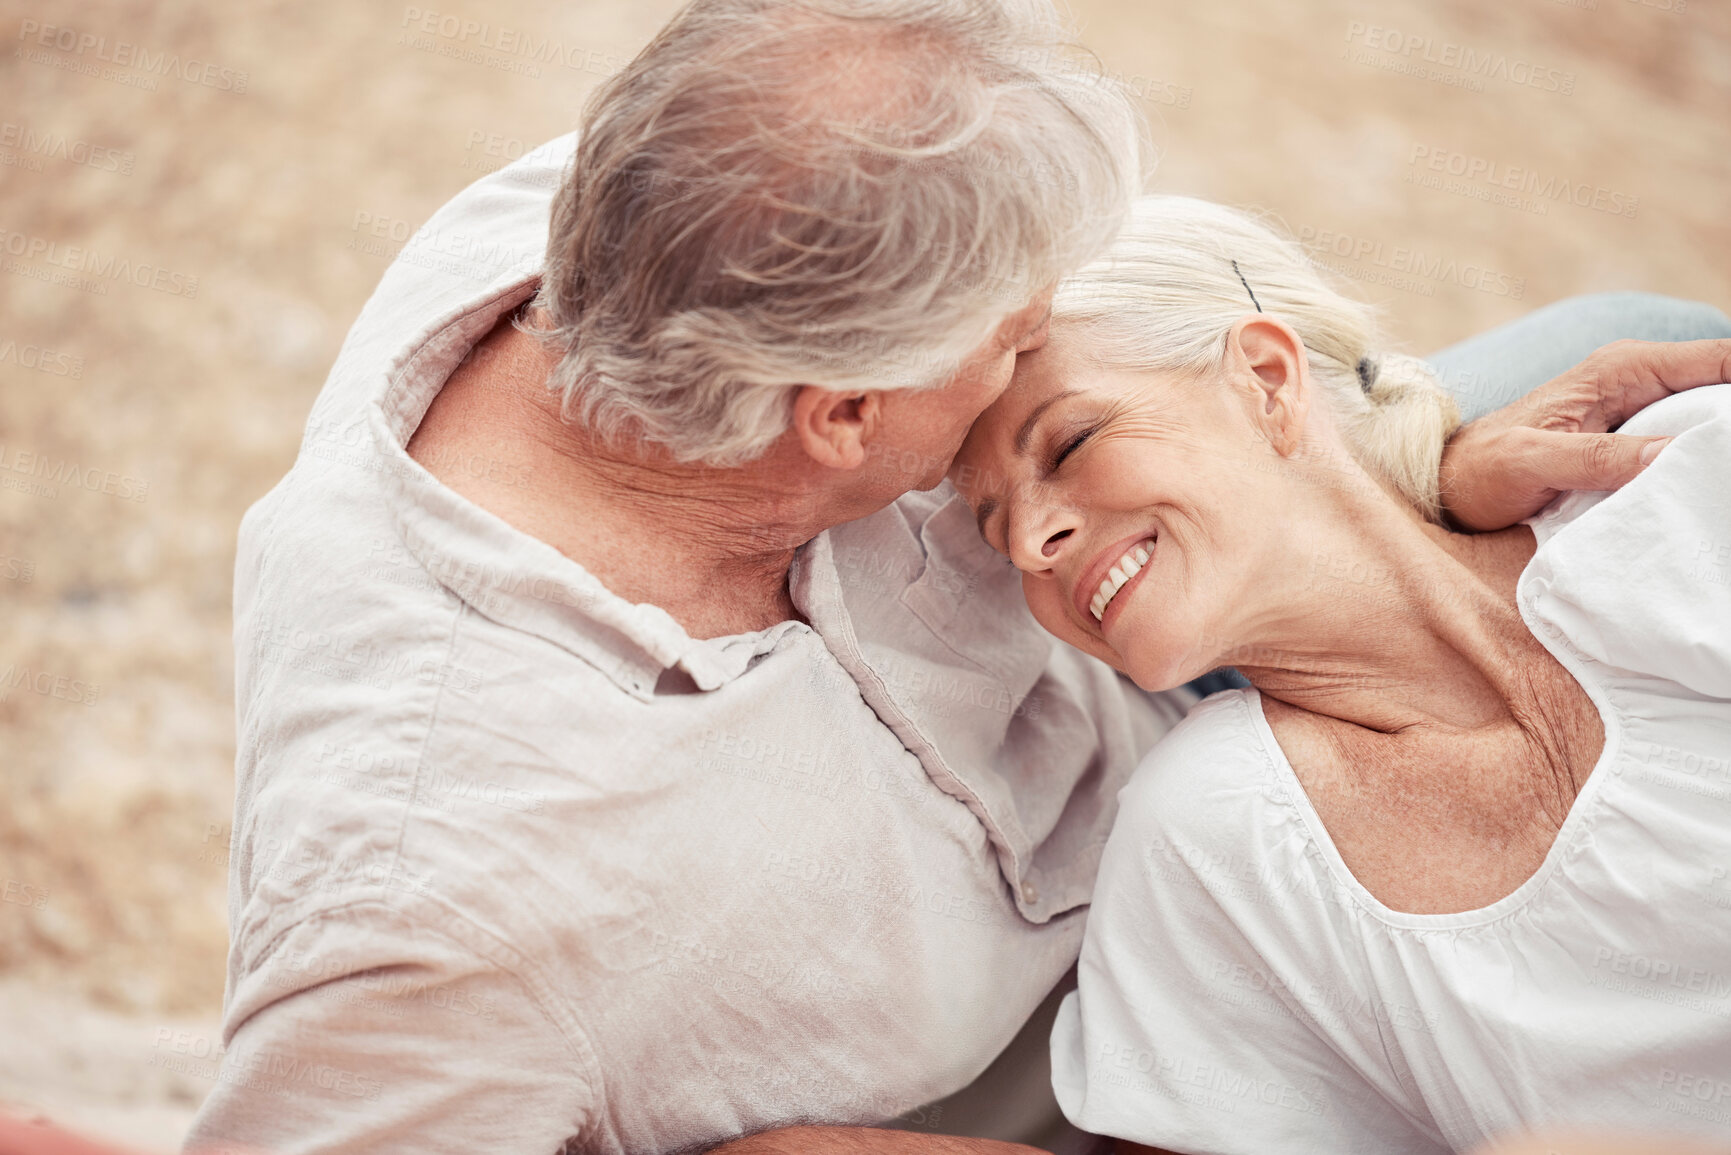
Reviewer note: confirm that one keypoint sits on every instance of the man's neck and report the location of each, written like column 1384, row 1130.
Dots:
column 710, row 546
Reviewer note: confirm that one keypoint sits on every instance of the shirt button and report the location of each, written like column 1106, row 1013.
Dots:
column 1030, row 893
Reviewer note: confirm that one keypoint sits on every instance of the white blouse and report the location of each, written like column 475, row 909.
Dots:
column 1241, row 992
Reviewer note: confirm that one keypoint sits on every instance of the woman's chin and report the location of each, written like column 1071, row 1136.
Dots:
column 1157, row 672
column 1156, row 683
column 1155, row 658
column 1138, row 649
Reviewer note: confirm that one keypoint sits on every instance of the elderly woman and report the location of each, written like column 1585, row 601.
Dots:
column 1455, row 863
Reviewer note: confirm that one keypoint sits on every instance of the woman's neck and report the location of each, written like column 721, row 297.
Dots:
column 1396, row 624
column 1441, row 744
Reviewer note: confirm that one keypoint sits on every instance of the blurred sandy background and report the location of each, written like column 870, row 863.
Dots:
column 179, row 407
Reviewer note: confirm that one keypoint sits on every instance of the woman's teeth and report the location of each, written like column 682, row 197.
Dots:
column 1126, row 568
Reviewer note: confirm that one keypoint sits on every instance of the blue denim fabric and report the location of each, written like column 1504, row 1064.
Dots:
column 1492, row 369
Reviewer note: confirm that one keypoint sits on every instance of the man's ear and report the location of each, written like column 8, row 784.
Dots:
column 835, row 428
column 1268, row 356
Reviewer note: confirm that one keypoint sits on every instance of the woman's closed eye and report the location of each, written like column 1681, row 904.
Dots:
column 1067, row 446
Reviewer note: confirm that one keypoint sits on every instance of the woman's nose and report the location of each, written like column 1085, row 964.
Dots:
column 1040, row 533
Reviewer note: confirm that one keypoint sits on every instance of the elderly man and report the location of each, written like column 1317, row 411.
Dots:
column 637, row 747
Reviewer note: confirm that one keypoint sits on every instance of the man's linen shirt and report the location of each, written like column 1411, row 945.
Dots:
column 518, row 864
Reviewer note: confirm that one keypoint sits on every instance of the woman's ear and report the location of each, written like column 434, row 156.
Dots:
column 835, row 428
column 1268, row 356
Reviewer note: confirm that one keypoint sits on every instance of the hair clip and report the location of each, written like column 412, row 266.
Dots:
column 1366, row 373
column 1247, row 287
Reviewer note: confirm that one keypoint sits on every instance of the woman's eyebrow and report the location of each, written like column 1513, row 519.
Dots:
column 1027, row 428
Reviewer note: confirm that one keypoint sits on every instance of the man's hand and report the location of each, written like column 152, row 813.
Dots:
column 1510, row 464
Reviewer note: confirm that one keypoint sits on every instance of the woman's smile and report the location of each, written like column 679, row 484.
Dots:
column 1106, row 583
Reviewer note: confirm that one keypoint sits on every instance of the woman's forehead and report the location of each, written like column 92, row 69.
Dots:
column 982, row 466
column 1039, row 375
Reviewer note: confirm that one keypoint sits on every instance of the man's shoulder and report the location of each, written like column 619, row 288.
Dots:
column 497, row 222
column 490, row 235
column 923, row 554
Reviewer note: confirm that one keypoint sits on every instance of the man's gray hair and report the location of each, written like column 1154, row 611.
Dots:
column 845, row 193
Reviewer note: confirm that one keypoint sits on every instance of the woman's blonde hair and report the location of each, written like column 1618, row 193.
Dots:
column 1184, row 271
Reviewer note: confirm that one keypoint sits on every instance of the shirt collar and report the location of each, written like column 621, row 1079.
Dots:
column 505, row 574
